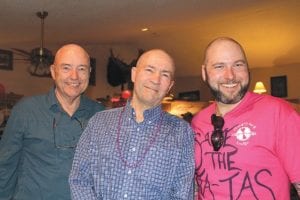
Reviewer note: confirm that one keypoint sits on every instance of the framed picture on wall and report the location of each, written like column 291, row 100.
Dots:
column 189, row 96
column 279, row 86
column 6, row 60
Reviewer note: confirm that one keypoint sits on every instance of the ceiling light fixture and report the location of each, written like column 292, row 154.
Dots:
column 44, row 58
column 144, row 29
column 40, row 58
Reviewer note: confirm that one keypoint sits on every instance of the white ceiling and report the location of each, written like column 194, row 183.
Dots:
column 268, row 29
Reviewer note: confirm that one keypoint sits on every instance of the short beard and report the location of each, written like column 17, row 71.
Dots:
column 220, row 97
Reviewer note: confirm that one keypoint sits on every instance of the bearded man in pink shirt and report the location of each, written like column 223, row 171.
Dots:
column 247, row 144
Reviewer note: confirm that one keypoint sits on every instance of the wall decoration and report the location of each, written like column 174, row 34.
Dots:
column 279, row 86
column 6, row 60
column 189, row 96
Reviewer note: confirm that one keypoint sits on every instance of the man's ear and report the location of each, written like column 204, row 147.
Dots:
column 203, row 70
column 52, row 70
column 133, row 74
column 171, row 85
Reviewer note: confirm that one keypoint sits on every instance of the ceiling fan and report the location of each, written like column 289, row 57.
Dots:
column 40, row 58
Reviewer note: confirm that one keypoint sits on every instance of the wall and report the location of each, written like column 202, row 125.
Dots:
column 291, row 71
column 185, row 84
column 125, row 52
column 20, row 82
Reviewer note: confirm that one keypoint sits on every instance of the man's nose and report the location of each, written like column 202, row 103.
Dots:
column 156, row 77
column 229, row 73
column 74, row 74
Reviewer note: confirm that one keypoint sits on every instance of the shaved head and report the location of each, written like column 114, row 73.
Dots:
column 217, row 42
column 225, row 70
column 154, row 53
column 153, row 78
column 70, row 72
column 70, row 48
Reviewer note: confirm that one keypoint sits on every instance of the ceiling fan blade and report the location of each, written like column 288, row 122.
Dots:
column 27, row 59
column 21, row 51
column 21, row 54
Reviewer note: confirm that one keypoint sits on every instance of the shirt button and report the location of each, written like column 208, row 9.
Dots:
column 138, row 129
column 125, row 195
column 129, row 172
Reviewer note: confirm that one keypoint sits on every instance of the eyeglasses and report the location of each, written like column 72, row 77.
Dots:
column 60, row 145
column 217, row 136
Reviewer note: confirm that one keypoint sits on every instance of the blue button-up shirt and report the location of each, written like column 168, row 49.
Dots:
column 38, row 146
column 118, row 158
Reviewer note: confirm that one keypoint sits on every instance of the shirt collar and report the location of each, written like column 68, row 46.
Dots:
column 236, row 111
column 54, row 105
column 52, row 101
column 151, row 114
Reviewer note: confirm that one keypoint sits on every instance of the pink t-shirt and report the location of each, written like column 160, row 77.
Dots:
column 260, row 156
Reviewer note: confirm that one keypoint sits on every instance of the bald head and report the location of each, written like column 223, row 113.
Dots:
column 157, row 54
column 70, row 72
column 71, row 49
column 153, row 78
column 225, row 70
column 221, row 41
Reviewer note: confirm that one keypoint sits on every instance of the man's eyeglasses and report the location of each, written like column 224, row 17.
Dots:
column 217, row 136
column 60, row 145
